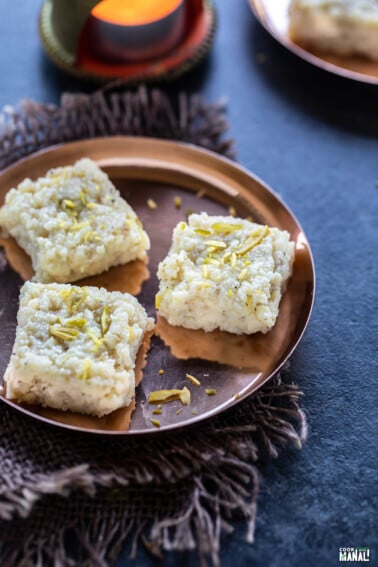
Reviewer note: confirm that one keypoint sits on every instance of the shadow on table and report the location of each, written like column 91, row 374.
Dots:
column 58, row 81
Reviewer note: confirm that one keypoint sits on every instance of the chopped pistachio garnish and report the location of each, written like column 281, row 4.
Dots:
column 79, row 225
column 158, row 300
column 105, row 319
column 165, row 396
column 202, row 231
column 260, row 235
column 63, row 333
column 195, row 412
column 74, row 297
column 214, row 262
column 151, row 204
column 225, row 227
column 180, row 410
column 161, row 372
column 193, row 380
column 131, row 333
column 77, row 322
column 155, row 422
column 178, row 202
column 157, row 411
column 216, row 243
column 237, row 396
column 242, row 274
column 210, row 391
column 226, row 257
column 182, row 225
column 233, row 259
column 85, row 373
column 205, row 271
column 97, row 341
column 230, row 293
column 91, row 205
column 69, row 204
column 91, row 234
column 83, row 198
column 232, row 211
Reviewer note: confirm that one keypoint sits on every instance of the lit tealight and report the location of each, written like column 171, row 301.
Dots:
column 135, row 30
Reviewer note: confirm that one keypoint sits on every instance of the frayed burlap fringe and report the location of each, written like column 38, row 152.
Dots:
column 174, row 493
column 34, row 126
column 71, row 499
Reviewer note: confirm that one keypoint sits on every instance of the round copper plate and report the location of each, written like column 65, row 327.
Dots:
column 236, row 366
column 275, row 19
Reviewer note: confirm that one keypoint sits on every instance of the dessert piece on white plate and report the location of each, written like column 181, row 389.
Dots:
column 341, row 27
column 73, row 223
column 76, row 348
column 224, row 273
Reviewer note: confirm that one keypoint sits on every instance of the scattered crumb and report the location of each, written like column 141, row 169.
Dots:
column 161, row 371
column 210, row 391
column 193, row 380
column 151, row 204
column 157, row 411
column 179, row 411
column 194, row 412
column 155, row 422
column 178, row 202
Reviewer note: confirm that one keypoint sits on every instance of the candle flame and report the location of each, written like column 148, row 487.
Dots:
column 133, row 12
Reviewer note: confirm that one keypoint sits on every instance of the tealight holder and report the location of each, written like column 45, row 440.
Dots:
column 135, row 40
column 136, row 35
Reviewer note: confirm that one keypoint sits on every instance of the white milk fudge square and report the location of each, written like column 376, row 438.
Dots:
column 224, row 273
column 340, row 27
column 73, row 223
column 76, row 348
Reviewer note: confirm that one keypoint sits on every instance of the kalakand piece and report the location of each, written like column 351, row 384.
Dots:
column 73, row 223
column 224, row 273
column 340, row 27
column 76, row 348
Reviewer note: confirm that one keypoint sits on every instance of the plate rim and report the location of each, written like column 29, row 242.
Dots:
column 229, row 404
column 258, row 7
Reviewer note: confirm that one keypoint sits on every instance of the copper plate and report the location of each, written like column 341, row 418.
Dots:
column 273, row 15
column 145, row 168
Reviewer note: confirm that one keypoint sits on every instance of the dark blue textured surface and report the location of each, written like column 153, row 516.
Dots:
column 314, row 138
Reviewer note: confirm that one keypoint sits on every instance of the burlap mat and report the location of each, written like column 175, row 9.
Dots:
column 73, row 499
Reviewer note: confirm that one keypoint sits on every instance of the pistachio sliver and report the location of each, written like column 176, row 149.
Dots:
column 105, row 320
column 193, row 380
column 225, row 227
column 63, row 333
column 210, row 392
column 165, row 396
